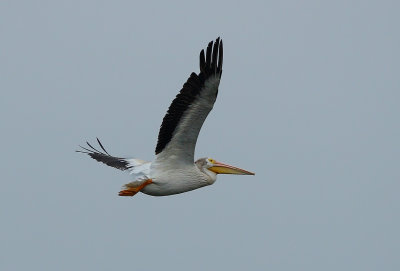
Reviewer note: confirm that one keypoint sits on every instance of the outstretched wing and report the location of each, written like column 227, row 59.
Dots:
column 104, row 157
column 188, row 111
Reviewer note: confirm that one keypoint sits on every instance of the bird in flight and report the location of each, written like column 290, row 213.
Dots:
column 173, row 169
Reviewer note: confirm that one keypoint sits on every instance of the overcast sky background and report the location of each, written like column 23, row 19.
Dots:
column 309, row 100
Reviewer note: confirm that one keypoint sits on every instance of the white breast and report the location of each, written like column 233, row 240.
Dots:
column 174, row 181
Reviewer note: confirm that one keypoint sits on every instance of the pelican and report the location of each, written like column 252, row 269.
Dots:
column 173, row 169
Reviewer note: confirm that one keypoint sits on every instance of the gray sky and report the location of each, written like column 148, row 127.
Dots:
column 309, row 100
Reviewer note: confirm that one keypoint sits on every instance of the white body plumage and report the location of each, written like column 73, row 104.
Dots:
column 168, row 180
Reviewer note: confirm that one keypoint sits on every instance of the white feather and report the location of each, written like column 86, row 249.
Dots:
column 139, row 169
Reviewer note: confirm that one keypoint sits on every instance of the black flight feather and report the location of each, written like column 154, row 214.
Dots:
column 210, row 65
column 104, row 157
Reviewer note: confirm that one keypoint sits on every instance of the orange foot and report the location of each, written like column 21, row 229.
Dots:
column 131, row 189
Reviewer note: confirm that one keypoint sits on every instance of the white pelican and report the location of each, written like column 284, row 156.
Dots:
column 173, row 170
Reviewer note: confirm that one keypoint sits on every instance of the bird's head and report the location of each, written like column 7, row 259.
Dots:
column 220, row 168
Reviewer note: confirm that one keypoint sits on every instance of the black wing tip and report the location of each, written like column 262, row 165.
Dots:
column 91, row 149
column 101, row 146
column 211, row 60
column 104, row 156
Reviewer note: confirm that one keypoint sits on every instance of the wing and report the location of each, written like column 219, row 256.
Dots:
column 188, row 111
column 104, row 157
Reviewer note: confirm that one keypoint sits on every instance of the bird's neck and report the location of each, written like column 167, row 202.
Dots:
column 211, row 176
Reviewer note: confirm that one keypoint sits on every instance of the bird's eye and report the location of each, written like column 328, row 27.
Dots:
column 211, row 160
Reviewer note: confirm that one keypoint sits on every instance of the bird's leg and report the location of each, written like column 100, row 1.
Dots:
column 133, row 188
